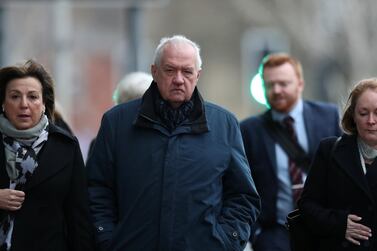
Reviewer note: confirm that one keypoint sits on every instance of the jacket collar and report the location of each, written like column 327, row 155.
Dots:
column 149, row 118
column 348, row 158
column 269, row 142
column 47, row 165
column 53, row 129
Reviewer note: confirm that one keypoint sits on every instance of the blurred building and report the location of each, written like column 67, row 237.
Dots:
column 89, row 45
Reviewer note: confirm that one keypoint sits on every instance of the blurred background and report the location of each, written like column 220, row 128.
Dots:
column 89, row 45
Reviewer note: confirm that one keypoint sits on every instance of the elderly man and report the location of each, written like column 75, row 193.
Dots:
column 168, row 171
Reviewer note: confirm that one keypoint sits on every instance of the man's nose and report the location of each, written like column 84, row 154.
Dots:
column 178, row 77
column 275, row 88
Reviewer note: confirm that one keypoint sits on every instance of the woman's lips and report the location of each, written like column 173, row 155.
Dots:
column 23, row 116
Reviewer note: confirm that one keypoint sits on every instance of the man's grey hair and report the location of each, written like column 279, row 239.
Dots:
column 132, row 86
column 176, row 39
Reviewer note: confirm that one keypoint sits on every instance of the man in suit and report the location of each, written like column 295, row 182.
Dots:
column 270, row 164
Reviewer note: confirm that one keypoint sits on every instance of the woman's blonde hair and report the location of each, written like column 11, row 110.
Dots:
column 348, row 122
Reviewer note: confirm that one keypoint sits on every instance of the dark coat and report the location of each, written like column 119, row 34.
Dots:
column 321, row 120
column 54, row 215
column 185, row 190
column 335, row 188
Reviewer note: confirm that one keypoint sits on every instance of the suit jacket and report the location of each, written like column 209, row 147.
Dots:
column 335, row 188
column 55, row 213
column 321, row 120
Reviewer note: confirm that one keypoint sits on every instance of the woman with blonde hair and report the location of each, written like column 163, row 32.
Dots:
column 339, row 201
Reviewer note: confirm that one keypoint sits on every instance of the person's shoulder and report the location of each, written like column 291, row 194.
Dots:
column 60, row 133
column 320, row 105
column 123, row 108
column 219, row 111
column 253, row 120
column 328, row 140
column 327, row 143
column 324, row 110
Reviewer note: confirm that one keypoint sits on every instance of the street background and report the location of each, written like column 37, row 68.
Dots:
column 89, row 45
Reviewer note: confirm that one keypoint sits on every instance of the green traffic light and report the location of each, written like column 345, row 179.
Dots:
column 257, row 90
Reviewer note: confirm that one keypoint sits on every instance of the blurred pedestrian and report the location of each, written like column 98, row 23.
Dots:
column 131, row 87
column 168, row 171
column 59, row 120
column 43, row 196
column 340, row 194
column 280, row 144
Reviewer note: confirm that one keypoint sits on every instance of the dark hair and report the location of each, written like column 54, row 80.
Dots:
column 348, row 121
column 30, row 69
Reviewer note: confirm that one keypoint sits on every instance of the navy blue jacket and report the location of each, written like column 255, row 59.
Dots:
column 152, row 189
column 321, row 120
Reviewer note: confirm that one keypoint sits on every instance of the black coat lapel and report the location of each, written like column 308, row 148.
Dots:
column 4, row 179
column 49, row 161
column 348, row 158
column 53, row 156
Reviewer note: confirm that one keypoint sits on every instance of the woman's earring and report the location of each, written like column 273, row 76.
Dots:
column 2, row 107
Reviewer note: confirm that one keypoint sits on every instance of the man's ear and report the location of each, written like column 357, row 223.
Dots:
column 301, row 84
column 154, row 71
column 198, row 75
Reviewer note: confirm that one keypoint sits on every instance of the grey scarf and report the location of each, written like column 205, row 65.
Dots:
column 21, row 150
column 24, row 137
column 368, row 152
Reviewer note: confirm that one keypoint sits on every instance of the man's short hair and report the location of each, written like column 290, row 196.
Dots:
column 277, row 59
column 175, row 40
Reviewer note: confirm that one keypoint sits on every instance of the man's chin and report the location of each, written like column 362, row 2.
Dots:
column 176, row 103
column 279, row 107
